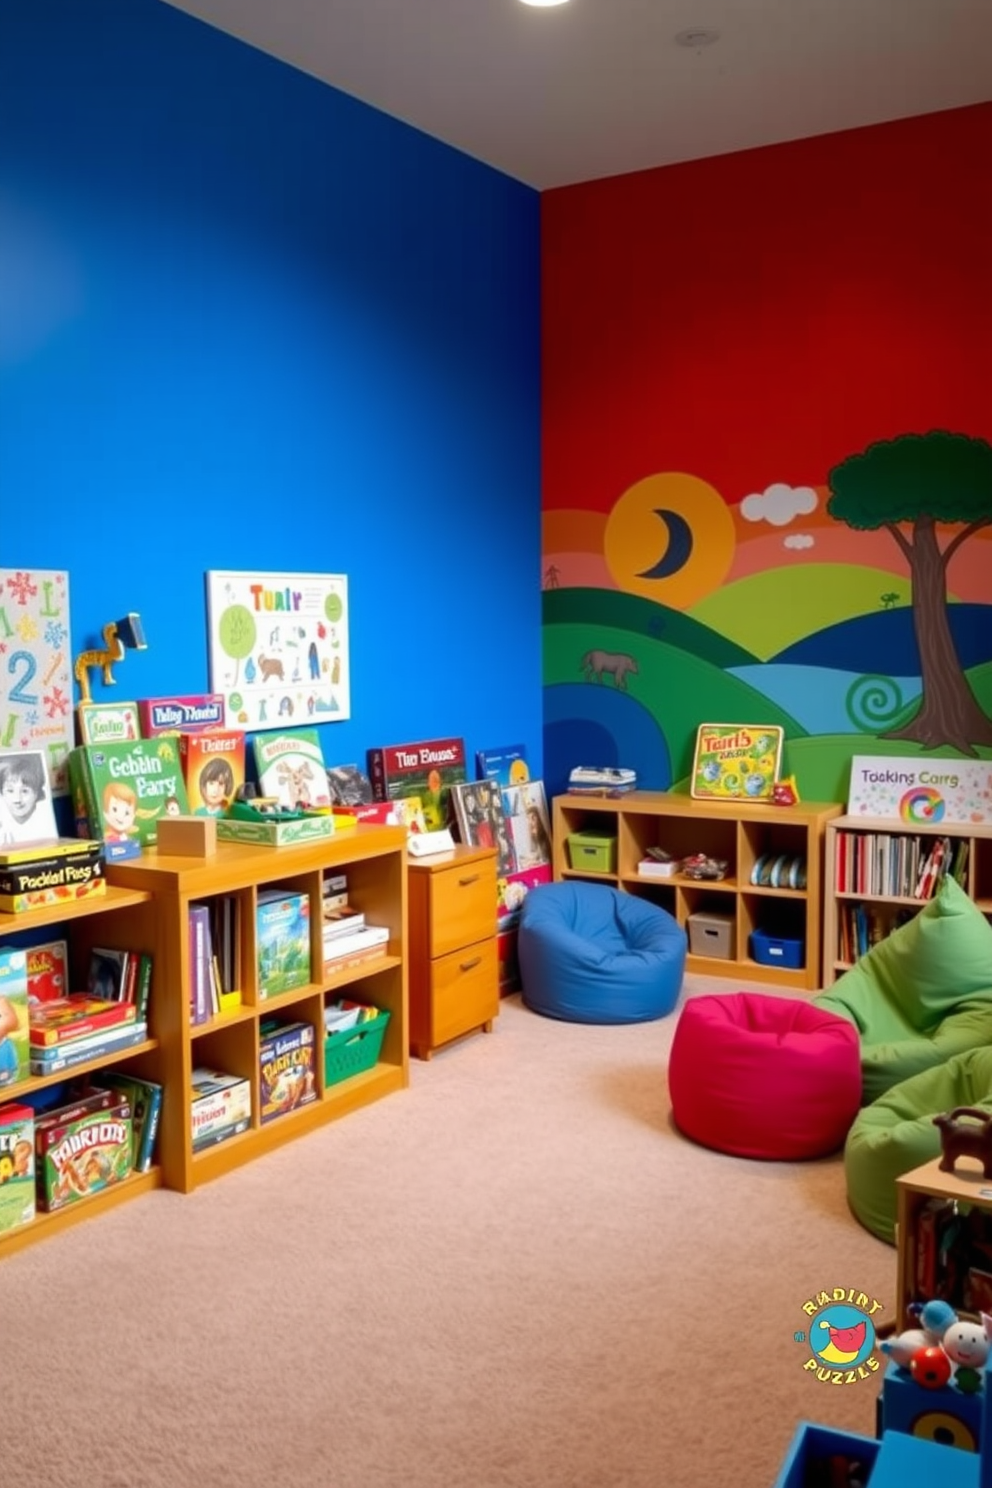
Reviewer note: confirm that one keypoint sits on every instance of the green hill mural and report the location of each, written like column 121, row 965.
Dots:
column 631, row 612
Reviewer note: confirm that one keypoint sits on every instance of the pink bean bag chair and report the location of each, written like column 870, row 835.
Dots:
column 759, row 1076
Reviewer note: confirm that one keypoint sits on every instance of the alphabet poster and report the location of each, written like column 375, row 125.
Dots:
column 278, row 646
column 36, row 667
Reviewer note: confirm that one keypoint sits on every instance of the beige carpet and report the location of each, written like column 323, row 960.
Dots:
column 513, row 1275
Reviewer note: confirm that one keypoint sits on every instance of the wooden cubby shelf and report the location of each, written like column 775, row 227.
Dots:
column 741, row 833
column 146, row 908
column 879, row 853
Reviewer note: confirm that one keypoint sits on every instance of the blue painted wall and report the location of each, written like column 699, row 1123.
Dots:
column 247, row 322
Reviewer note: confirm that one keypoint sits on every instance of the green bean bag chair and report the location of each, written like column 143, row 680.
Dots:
column 921, row 995
column 896, row 1134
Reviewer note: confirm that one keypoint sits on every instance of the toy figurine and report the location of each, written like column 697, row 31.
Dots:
column 934, row 1318
column 966, row 1344
column 930, row 1367
column 901, row 1349
column 785, row 792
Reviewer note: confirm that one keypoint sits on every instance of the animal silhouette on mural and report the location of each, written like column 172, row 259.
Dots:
column 913, row 482
column 617, row 664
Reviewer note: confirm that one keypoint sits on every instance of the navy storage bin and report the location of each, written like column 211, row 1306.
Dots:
column 777, row 950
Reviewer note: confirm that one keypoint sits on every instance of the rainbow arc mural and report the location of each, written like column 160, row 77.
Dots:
column 857, row 614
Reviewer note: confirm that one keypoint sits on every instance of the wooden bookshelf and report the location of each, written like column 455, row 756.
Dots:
column 880, row 845
column 965, row 1187
column 740, row 832
column 146, row 908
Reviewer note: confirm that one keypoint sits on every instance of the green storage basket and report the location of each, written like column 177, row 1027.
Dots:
column 352, row 1051
column 592, row 851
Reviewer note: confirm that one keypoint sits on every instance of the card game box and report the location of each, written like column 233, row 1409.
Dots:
column 282, row 938
column 221, row 1105
column 288, row 1077
column 213, row 764
column 181, row 715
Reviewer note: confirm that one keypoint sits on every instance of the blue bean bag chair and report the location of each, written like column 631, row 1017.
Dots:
column 590, row 954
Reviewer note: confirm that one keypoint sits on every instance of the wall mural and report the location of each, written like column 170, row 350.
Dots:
column 857, row 607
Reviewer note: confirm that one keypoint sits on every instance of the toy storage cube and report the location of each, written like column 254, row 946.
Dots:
column 592, row 851
column 813, row 1446
column 713, row 935
column 777, row 950
column 947, row 1416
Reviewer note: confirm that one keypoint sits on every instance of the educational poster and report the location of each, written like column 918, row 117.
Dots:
column 278, row 646
column 928, row 791
column 36, row 667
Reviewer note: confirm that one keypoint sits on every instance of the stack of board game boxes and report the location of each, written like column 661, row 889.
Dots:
column 53, row 870
column 348, row 940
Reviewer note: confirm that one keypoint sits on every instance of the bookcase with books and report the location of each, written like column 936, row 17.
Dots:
column 943, row 1238
column 880, row 872
column 121, row 924
column 244, row 1062
column 767, row 899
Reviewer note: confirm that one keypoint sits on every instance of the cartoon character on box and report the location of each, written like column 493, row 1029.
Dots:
column 84, row 1156
column 17, row 1202
column 216, row 785
column 120, row 807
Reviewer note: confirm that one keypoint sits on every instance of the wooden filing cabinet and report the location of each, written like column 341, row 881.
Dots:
column 454, row 980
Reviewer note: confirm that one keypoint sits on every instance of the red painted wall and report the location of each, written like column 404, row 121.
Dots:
column 757, row 317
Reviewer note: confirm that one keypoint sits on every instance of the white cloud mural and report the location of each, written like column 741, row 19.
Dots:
column 798, row 540
column 779, row 504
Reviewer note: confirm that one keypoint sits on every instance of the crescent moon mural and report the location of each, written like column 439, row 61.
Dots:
column 679, row 549
column 701, row 539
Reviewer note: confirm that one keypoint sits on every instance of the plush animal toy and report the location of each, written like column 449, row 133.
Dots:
column 902, row 1348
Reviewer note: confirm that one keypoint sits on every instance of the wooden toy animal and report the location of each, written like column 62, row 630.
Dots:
column 965, row 1132
column 103, row 657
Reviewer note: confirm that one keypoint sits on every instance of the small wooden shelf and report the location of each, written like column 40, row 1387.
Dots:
column 966, row 1185
column 739, row 832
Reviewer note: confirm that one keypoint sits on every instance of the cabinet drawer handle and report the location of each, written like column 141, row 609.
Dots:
column 468, row 965
column 463, row 883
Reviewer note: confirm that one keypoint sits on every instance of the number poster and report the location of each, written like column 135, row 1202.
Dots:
column 279, row 648
column 36, row 667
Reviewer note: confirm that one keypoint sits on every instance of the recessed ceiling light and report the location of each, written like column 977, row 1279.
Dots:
column 543, row 2
column 698, row 36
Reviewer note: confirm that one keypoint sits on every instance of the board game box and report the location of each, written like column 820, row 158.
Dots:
column 291, row 769
column 181, row 715
column 81, row 1157
column 282, row 941
column 125, row 788
column 17, row 1199
column 14, row 1053
column 220, row 1105
column 65, row 871
column 288, row 1077
column 427, row 769
column 48, row 971
column 736, row 761
column 213, row 764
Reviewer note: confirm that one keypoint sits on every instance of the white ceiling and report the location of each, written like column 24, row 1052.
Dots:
column 599, row 87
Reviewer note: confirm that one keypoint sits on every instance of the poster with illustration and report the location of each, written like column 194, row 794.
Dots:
column 278, row 648
column 36, row 667
column 736, row 761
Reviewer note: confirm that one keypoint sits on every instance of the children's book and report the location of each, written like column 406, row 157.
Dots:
column 526, row 809
column 478, row 808
column 348, row 785
column 13, row 1016
column 107, row 723
column 736, row 761
column 107, row 974
column 26, row 811
column 282, row 940
column 145, row 1099
column 126, row 788
column 291, row 769
column 76, row 1016
column 428, row 769
column 48, row 971
column 506, row 765
column 213, row 763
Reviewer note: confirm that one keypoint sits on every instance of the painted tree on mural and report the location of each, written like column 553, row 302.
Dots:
column 907, row 485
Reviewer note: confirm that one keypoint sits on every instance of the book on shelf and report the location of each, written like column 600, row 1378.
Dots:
column 108, row 971
column 54, row 1058
column 75, row 1016
column 340, row 919
column 123, row 790
column 202, row 1005
column 291, row 768
column 428, row 769
column 282, row 940
column 898, row 865
column 481, row 820
column 48, row 970
column 506, row 765
column 357, row 943
column 145, row 1099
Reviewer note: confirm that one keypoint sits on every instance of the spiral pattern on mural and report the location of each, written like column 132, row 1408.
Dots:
column 873, row 701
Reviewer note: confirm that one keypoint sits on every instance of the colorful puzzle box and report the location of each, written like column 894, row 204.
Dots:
column 17, row 1201
column 14, row 1053
column 282, row 941
column 81, row 1157
column 286, row 1067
